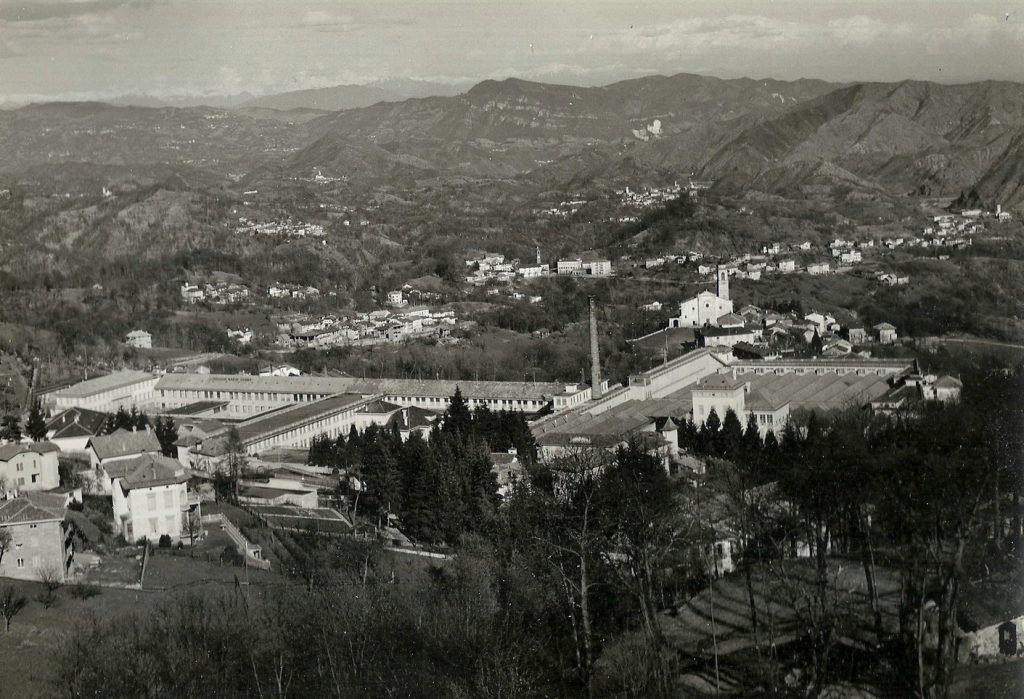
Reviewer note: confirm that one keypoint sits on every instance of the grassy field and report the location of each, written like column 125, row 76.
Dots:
column 36, row 633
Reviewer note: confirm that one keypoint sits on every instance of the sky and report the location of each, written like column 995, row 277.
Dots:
column 100, row 49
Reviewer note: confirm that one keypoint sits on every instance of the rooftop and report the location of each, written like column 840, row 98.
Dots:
column 327, row 385
column 76, row 422
column 146, row 471
column 122, row 443
column 21, row 510
column 197, row 407
column 9, row 451
column 102, row 384
column 284, row 419
column 812, row 391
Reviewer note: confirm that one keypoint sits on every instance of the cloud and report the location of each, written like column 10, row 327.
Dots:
column 42, row 10
column 323, row 21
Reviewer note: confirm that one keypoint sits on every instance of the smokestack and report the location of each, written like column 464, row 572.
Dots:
column 595, row 355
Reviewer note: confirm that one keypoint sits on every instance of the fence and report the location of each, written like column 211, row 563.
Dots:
column 251, row 552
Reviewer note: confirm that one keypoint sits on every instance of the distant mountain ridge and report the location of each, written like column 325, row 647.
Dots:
column 771, row 136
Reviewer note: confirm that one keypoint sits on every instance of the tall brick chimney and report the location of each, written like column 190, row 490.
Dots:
column 595, row 355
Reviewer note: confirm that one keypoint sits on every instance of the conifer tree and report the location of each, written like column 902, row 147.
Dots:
column 36, row 423
column 457, row 417
column 731, row 438
column 167, row 434
column 752, row 438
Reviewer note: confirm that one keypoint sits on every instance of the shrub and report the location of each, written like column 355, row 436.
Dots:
column 83, row 591
column 165, row 541
column 142, row 541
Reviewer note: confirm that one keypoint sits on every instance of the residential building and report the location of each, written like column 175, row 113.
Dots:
column 507, row 470
column 573, row 267
column 72, row 429
column 106, row 450
column 150, row 498
column 28, row 466
column 819, row 268
column 886, row 333
column 857, row 335
column 41, row 541
column 191, row 293
column 532, row 271
column 140, row 339
column 727, row 337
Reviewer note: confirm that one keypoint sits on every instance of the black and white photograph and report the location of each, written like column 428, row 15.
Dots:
column 511, row 349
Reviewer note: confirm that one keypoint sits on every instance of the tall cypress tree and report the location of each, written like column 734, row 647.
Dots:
column 732, row 435
column 35, row 426
column 457, row 417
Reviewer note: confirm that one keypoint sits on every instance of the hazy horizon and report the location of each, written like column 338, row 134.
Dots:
column 74, row 50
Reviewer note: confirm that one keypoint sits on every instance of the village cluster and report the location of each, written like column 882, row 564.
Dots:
column 709, row 319
column 287, row 228
column 375, row 327
column 492, row 267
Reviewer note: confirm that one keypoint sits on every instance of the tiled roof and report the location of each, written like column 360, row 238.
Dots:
column 146, row 471
column 123, row 443
column 21, row 510
column 76, row 422
column 726, row 332
column 720, row 381
column 9, row 451
column 414, row 417
column 379, row 407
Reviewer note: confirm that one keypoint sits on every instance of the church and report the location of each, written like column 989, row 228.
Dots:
column 705, row 308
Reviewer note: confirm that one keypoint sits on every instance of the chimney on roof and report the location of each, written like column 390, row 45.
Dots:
column 595, row 355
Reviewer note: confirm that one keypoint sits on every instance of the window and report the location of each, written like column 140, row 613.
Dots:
column 31, row 526
column 153, row 525
column 35, row 477
column 151, row 501
column 21, row 467
column 21, row 481
column 168, row 498
column 21, row 562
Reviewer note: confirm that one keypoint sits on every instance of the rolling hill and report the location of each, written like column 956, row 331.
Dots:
column 782, row 138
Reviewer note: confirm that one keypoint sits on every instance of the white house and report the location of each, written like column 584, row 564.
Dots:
column 150, row 498
column 139, row 339
column 531, row 271
column 574, row 266
column 106, row 450
column 28, row 466
column 886, row 333
column 72, row 429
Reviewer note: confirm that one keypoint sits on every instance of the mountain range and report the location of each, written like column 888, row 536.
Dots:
column 775, row 137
